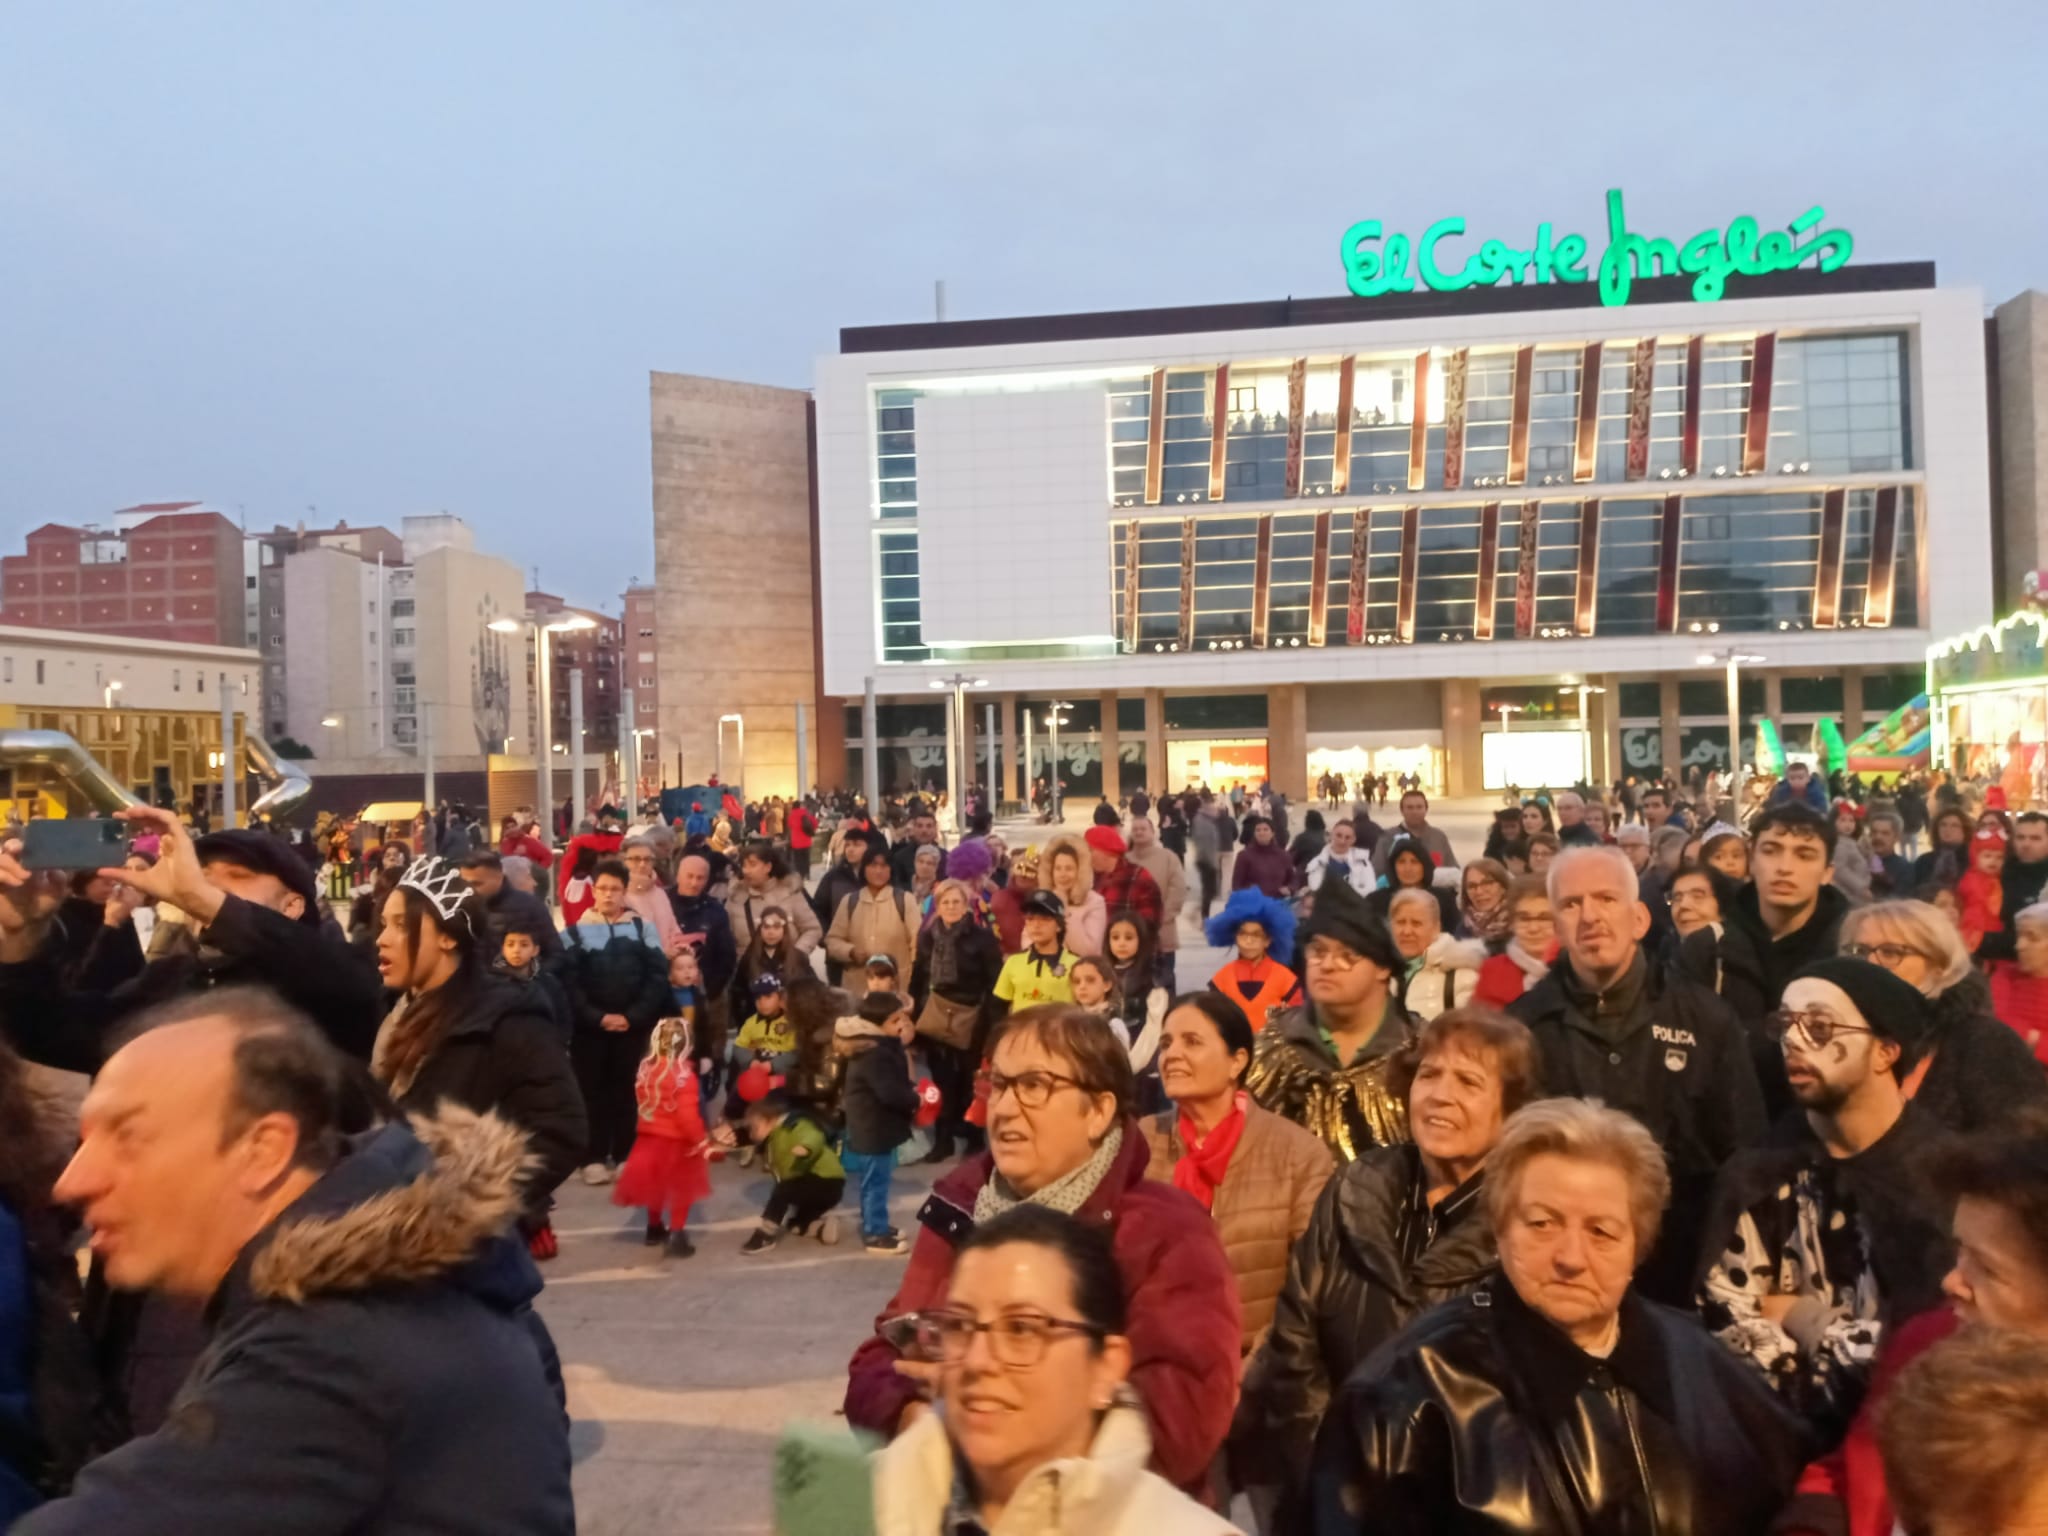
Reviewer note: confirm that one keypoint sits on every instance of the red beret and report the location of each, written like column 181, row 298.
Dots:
column 1108, row 839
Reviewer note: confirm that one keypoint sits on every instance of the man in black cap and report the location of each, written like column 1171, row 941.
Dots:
column 1324, row 1064
column 1819, row 1237
column 254, row 906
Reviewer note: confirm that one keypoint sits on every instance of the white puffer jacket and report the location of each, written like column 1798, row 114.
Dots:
column 1106, row 1493
column 1447, row 979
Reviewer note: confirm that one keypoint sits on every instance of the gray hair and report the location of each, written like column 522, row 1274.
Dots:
column 1891, row 819
column 1587, row 1131
column 1632, row 832
column 1667, row 845
column 1569, row 797
column 1924, row 928
column 1614, row 857
column 1418, row 896
column 2035, row 916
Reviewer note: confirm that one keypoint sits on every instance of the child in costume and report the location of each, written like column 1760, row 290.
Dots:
column 1259, row 926
column 1981, row 890
column 809, row 1178
column 1040, row 972
column 668, row 1169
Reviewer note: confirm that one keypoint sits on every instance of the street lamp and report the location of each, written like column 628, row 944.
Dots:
column 956, row 742
column 107, row 693
column 332, row 722
column 1054, row 719
column 1508, row 713
column 1585, row 730
column 1734, row 660
column 542, row 756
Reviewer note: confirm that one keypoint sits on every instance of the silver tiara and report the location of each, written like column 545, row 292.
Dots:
column 440, row 881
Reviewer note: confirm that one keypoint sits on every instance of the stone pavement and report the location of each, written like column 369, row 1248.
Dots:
column 682, row 1372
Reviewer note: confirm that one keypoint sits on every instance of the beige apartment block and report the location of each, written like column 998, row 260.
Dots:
column 732, row 563
column 2021, row 327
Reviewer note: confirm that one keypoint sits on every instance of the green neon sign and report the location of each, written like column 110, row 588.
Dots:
column 1377, row 263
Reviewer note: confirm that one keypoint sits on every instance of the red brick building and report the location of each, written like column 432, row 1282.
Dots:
column 166, row 571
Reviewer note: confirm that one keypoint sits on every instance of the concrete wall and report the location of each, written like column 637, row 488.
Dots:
column 327, row 621
column 732, row 563
column 2022, row 426
column 472, row 679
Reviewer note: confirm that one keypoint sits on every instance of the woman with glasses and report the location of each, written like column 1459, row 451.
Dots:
column 1037, row 1428
column 1482, row 903
column 1531, row 947
column 1976, row 1073
column 1256, row 1174
column 1061, row 1136
column 1400, row 1229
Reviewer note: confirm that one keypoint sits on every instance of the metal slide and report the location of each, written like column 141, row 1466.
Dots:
column 288, row 782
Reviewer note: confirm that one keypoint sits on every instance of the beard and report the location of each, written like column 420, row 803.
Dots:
column 1819, row 1095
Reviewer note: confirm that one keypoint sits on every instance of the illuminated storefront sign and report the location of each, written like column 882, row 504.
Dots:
column 1377, row 263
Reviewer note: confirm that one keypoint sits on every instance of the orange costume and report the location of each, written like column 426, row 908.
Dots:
column 1257, row 989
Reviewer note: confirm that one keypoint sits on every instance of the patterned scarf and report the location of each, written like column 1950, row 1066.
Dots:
column 1067, row 1194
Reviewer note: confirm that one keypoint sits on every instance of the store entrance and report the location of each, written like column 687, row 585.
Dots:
column 1216, row 762
column 1393, row 763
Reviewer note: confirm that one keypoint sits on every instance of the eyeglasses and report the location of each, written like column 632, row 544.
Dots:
column 1814, row 1026
column 1535, row 920
column 1031, row 1088
column 1017, row 1339
column 1890, row 956
column 1334, row 957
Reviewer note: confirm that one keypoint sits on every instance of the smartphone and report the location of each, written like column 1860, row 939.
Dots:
column 824, row 1483
column 74, row 843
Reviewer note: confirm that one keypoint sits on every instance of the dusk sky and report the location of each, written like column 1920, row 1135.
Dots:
column 381, row 258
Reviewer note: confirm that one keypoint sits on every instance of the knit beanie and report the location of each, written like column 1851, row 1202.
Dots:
column 1894, row 1010
column 1340, row 913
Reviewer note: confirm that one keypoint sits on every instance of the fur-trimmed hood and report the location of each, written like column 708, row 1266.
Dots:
column 407, row 1204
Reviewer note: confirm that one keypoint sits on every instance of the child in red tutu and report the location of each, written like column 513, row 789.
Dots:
column 668, row 1170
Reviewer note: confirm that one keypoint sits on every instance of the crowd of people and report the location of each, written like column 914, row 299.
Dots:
column 1646, row 1171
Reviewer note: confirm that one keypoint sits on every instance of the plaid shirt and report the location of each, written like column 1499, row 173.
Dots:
column 1129, row 886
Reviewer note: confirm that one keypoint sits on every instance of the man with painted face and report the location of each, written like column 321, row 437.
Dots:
column 1611, row 1026
column 1821, row 1237
column 252, row 902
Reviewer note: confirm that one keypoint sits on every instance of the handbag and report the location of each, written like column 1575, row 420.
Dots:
column 948, row 1022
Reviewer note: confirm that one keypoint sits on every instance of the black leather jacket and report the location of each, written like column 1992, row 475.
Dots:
column 1349, row 1289
column 1481, row 1419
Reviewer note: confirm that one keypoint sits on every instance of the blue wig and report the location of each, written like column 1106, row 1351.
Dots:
column 1251, row 905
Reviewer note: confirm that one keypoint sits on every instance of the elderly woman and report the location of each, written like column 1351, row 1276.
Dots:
column 1554, row 1400
column 1400, row 1229
column 1977, row 1072
column 1257, row 1174
column 958, row 961
column 1440, row 971
column 1033, row 1353
column 1531, row 946
column 1411, row 866
column 1060, row 1135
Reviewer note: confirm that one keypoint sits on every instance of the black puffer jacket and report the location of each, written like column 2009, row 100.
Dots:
column 503, row 1055
column 616, row 974
column 1348, row 1291
column 1982, row 1074
column 1481, row 1419
column 881, row 1100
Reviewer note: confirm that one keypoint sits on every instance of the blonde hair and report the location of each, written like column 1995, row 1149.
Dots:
column 1084, row 875
column 1588, row 1131
column 949, row 884
column 1420, row 896
column 1925, row 929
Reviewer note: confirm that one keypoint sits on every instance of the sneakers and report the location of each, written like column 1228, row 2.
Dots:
column 760, row 1241
column 826, row 1230
column 680, row 1245
column 596, row 1173
column 657, row 1234
column 745, row 1157
column 885, row 1243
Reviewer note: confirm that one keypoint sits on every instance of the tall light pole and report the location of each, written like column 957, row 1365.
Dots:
column 958, row 779
column 544, row 702
column 1054, row 719
column 107, row 693
column 1585, row 730
column 1507, row 713
column 1734, row 660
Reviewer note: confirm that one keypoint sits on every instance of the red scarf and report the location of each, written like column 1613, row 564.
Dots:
column 1201, row 1168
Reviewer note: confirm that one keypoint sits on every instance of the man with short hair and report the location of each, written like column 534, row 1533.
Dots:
column 1324, row 1064
column 1415, row 824
column 1656, row 803
column 1633, row 839
column 1171, row 876
column 1819, row 1238
column 842, row 880
column 1789, row 912
column 1123, row 885
column 1891, row 872
column 922, row 830
column 616, row 977
column 375, row 1362
column 1572, row 830
column 505, row 905
column 1612, row 1026
column 1342, row 857
column 2023, row 875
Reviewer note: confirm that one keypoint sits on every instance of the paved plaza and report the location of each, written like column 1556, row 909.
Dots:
column 682, row 1372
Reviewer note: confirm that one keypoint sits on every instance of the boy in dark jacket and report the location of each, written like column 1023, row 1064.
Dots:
column 519, row 960
column 881, row 1103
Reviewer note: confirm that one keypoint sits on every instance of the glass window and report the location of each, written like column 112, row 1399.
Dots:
column 1630, row 532
column 1489, row 412
column 896, row 452
column 1747, row 562
column 1130, row 427
column 902, row 624
column 1617, row 367
column 1811, row 695
column 1185, row 477
column 1838, row 404
column 1292, row 580
column 1641, row 701
column 1216, row 712
column 1446, row 572
column 1724, row 404
column 1884, row 692
column 1130, row 715
column 1553, row 414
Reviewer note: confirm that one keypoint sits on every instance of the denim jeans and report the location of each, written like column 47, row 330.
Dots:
column 872, row 1171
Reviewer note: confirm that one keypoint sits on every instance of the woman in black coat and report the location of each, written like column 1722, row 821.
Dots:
column 1398, row 1230
column 958, row 961
column 1411, row 864
column 455, row 1031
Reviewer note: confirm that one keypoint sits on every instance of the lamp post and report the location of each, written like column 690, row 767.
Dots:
column 1585, row 730
column 1734, row 660
column 543, row 760
column 739, row 729
column 1054, row 719
column 107, row 693
column 957, row 779
column 1508, row 713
